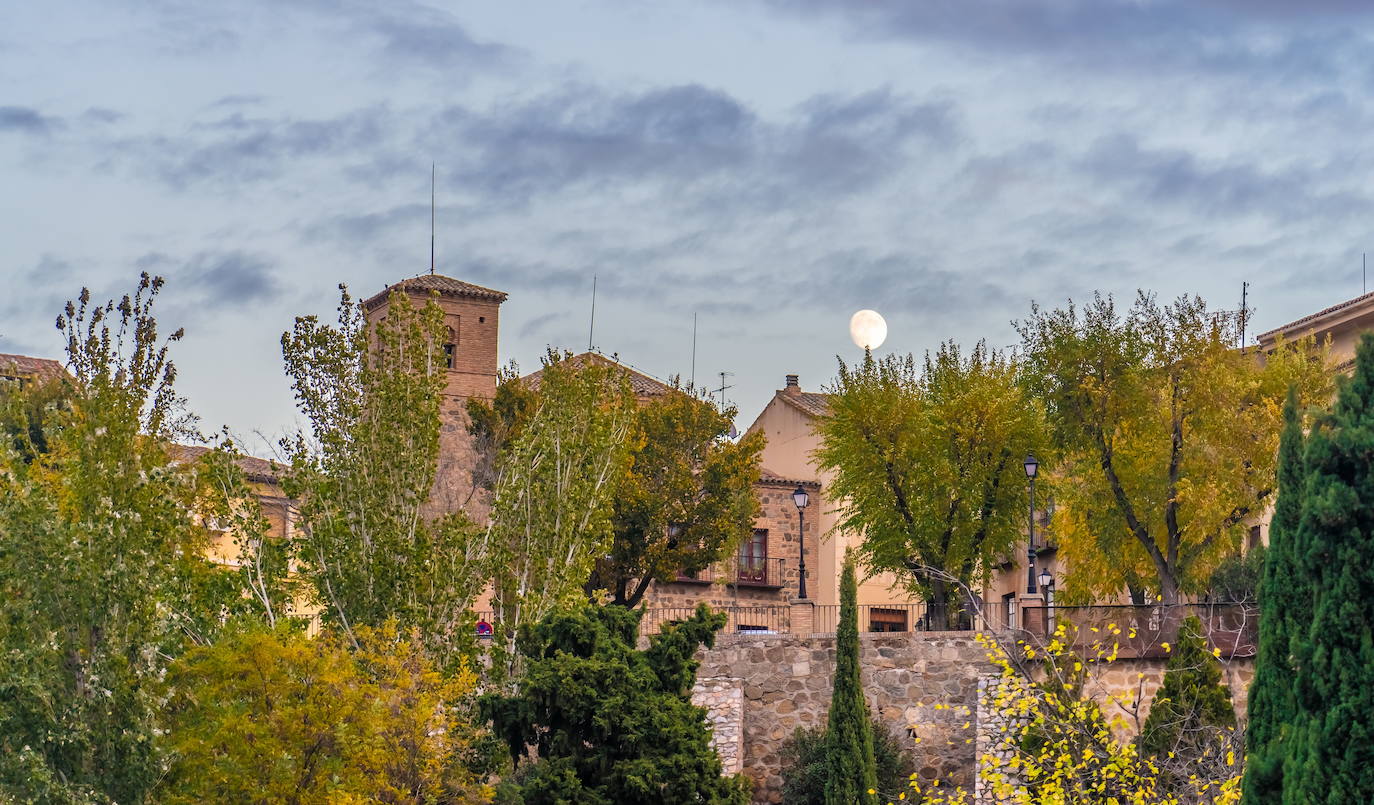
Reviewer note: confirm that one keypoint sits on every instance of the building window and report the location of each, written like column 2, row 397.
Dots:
column 1009, row 608
column 883, row 619
column 1253, row 541
column 753, row 557
column 448, row 355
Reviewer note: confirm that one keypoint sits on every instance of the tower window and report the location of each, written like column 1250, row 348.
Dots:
column 448, row 355
column 481, row 319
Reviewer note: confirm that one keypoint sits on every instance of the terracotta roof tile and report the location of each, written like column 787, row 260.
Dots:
column 767, row 476
column 256, row 469
column 642, row 385
column 809, row 402
column 25, row 366
column 1320, row 314
column 446, row 286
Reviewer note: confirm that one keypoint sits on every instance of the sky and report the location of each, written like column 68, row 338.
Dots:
column 767, row 166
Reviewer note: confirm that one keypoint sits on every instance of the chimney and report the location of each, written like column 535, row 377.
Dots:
column 793, row 387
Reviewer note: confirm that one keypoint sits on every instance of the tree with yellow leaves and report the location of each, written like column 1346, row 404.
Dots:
column 272, row 716
column 1049, row 740
column 1168, row 436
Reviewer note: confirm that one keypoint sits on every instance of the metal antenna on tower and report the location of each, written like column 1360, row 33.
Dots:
column 431, row 218
column 723, row 386
column 591, row 326
column 694, row 350
column 1244, row 312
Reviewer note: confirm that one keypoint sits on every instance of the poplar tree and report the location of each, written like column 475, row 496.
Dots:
column 852, row 775
column 1331, row 756
column 362, row 475
column 1285, row 612
column 99, row 540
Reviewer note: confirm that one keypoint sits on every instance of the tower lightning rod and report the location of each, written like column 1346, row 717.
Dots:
column 694, row 350
column 1244, row 312
column 591, row 327
column 431, row 218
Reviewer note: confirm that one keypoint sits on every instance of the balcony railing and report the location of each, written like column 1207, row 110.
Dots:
column 1232, row 629
column 742, row 572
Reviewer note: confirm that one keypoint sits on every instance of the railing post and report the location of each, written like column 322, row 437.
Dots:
column 803, row 616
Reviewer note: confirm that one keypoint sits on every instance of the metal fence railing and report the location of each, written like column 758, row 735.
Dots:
column 1142, row 631
column 739, row 620
column 761, row 572
column 1136, row 631
column 914, row 617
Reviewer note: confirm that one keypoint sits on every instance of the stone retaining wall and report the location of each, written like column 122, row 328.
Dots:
column 925, row 687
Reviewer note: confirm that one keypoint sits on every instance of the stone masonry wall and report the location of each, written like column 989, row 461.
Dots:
column 922, row 688
column 925, row 687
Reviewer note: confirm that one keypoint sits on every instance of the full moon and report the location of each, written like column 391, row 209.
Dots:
column 868, row 329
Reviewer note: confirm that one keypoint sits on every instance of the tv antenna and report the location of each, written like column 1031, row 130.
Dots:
column 1244, row 312
column 724, row 386
column 591, row 326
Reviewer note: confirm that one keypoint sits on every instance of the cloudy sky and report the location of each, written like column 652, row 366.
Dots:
column 769, row 166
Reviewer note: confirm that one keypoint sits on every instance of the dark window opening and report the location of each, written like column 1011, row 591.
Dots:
column 481, row 319
column 449, row 351
column 1254, row 540
column 886, row 620
column 753, row 557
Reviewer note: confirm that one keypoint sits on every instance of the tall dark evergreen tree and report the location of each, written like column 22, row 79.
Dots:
column 1331, row 759
column 609, row 724
column 1285, row 597
column 853, row 772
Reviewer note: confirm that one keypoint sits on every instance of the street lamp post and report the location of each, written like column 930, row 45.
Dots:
column 800, row 498
column 1032, row 467
column 1047, row 584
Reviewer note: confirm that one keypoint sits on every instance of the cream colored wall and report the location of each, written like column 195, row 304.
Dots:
column 791, row 441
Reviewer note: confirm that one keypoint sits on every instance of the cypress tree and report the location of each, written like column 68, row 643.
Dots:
column 852, row 771
column 1191, row 717
column 1285, row 598
column 1331, row 757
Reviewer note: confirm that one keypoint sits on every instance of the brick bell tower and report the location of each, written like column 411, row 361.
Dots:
column 472, row 314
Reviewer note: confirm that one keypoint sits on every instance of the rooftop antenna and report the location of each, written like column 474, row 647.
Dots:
column 1364, row 273
column 723, row 386
column 431, row 218
column 591, row 327
column 694, row 350
column 1244, row 291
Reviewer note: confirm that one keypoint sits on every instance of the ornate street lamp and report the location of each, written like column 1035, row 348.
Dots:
column 1046, row 580
column 800, row 498
column 1032, row 467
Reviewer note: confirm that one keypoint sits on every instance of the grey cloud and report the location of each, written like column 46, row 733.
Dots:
column 539, row 324
column 1168, row 34
column 232, row 278
column 25, row 120
column 100, row 114
column 1229, row 188
column 240, row 149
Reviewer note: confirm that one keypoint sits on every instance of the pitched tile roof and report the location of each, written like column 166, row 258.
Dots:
column 641, row 384
column 446, row 286
column 256, row 469
column 1320, row 314
column 24, row 366
column 767, row 476
column 808, row 402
